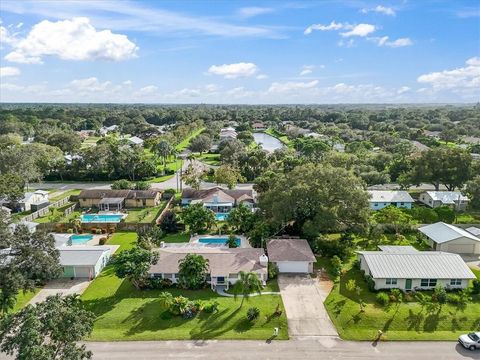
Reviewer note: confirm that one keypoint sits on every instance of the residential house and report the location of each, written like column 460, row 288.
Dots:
column 453, row 199
column 228, row 133
column 407, row 269
column 217, row 199
column 81, row 261
column 259, row 126
column 107, row 129
column 224, row 264
column 380, row 199
column 474, row 231
column 339, row 147
column 31, row 226
column 291, row 255
column 450, row 238
column 37, row 199
column 115, row 200
column 135, row 141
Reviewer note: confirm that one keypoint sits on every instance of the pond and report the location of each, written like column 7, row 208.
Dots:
column 268, row 142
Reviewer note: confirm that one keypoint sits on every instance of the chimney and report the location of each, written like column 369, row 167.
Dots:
column 263, row 260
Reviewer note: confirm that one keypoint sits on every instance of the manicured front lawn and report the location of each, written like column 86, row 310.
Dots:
column 176, row 238
column 272, row 286
column 210, row 159
column 126, row 240
column 24, row 298
column 145, row 215
column 406, row 321
column 124, row 313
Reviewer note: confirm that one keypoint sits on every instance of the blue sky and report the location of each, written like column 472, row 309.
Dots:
column 240, row 51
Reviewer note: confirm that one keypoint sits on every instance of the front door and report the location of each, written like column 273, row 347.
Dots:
column 220, row 279
column 408, row 284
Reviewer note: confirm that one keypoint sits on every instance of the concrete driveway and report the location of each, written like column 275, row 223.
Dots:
column 61, row 286
column 303, row 299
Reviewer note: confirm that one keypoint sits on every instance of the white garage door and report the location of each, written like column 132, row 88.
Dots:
column 461, row 249
column 83, row 272
column 293, row 267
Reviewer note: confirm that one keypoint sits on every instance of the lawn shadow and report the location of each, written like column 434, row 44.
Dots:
column 215, row 325
column 432, row 321
column 414, row 320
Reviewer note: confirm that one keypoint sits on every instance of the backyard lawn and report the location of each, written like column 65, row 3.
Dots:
column 145, row 215
column 126, row 239
column 405, row 321
column 57, row 195
column 124, row 313
column 176, row 238
column 24, row 298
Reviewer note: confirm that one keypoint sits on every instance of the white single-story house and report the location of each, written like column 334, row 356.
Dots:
column 224, row 264
column 259, row 126
column 31, row 226
column 135, row 140
column 36, row 198
column 380, row 199
column 474, row 231
column 405, row 268
column 228, row 133
column 446, row 237
column 106, row 129
column 453, row 199
column 217, row 199
column 291, row 255
column 81, row 261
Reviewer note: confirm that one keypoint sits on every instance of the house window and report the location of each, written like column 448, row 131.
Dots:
column 167, row 276
column 402, row 204
column 391, row 281
column 456, row 282
column 428, row 282
column 376, row 204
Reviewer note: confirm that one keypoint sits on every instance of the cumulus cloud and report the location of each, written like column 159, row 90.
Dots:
column 74, row 39
column 384, row 41
column 463, row 78
column 232, row 71
column 381, row 10
column 278, row 87
column 402, row 90
column 248, row 12
column 9, row 71
column 262, row 77
column 307, row 69
column 353, row 30
column 91, row 84
column 359, row 30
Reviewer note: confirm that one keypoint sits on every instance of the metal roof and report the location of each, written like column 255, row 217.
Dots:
column 473, row 230
column 442, row 233
column 81, row 255
column 390, row 196
column 407, row 249
column 447, row 197
column 420, row 265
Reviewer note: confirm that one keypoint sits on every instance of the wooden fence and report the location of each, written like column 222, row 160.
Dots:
column 46, row 210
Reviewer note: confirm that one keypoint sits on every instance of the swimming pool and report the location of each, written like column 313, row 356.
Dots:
column 80, row 239
column 101, row 218
column 221, row 216
column 217, row 240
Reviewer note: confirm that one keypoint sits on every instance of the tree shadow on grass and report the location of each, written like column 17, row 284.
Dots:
column 414, row 320
column 215, row 325
column 243, row 325
column 432, row 321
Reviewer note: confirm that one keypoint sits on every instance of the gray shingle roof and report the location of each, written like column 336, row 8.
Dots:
column 441, row 232
column 420, row 265
column 289, row 250
column 390, row 196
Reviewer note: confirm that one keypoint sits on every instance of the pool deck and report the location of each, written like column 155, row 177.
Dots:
column 243, row 240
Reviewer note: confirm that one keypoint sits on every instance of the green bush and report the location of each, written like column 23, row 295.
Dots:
column 336, row 263
column 396, row 295
column 370, row 283
column 102, row 241
column 253, row 313
column 210, row 307
column 439, row 294
column 476, row 286
column 383, row 298
column 453, row 299
column 272, row 270
column 70, row 231
column 445, row 214
column 98, row 231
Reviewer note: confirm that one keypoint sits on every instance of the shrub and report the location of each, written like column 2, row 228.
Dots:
column 445, row 214
column 453, row 299
column 336, row 265
column 168, row 194
column 382, row 298
column 253, row 313
column 272, row 270
column 370, row 283
column 330, row 248
column 93, row 230
column 396, row 295
column 98, row 231
column 351, row 285
column 70, row 231
column 476, row 286
column 210, row 307
column 102, row 241
column 122, row 185
column 104, row 231
column 169, row 222
column 439, row 294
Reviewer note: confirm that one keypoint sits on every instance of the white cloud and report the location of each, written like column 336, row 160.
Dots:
column 239, row 92
column 348, row 43
column 74, row 39
column 127, row 82
column 211, row 87
column 359, row 30
column 277, row 87
column 262, row 77
column 384, row 41
column 19, row 25
column 9, row 71
column 332, row 26
column 403, row 90
column 147, row 90
column 5, row 37
column 90, row 84
column 307, row 69
column 381, row 10
column 460, row 79
column 232, row 71
column 248, row 12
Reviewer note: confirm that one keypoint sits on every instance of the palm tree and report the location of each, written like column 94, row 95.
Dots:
column 164, row 150
column 76, row 222
column 249, row 283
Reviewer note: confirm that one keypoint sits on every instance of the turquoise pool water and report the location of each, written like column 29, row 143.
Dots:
column 221, row 216
column 217, row 240
column 101, row 218
column 80, row 239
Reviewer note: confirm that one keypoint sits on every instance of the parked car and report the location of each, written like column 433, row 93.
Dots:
column 470, row 341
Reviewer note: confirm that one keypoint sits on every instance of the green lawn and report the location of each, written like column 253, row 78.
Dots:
column 406, row 321
column 210, row 159
column 24, row 298
column 183, row 145
column 90, row 141
column 145, row 215
column 64, row 194
column 283, row 138
column 176, row 238
column 272, row 286
column 126, row 239
column 172, row 165
column 470, row 217
column 124, row 313
column 50, row 217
